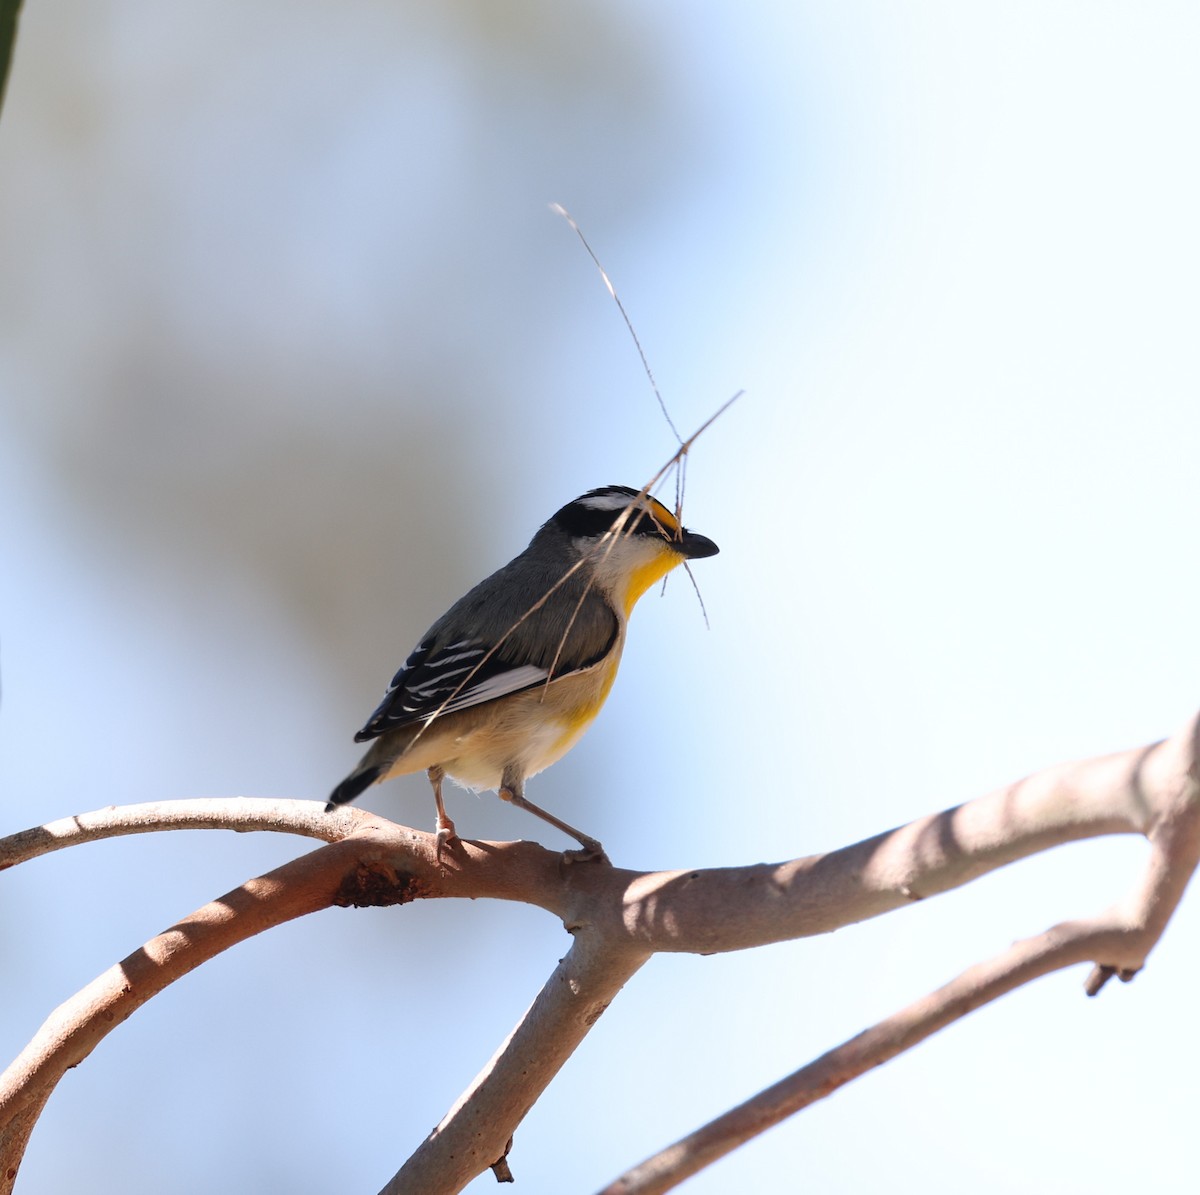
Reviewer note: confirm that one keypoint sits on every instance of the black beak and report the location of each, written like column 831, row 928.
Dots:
column 694, row 546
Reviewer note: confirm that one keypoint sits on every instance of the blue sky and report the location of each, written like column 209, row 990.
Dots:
column 292, row 352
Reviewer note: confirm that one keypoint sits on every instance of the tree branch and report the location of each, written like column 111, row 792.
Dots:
column 478, row 1130
column 77, row 1026
column 378, row 863
column 242, row 814
column 619, row 918
column 1062, row 946
column 1158, row 788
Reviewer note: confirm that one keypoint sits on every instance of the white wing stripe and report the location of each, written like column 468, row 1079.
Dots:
column 443, row 674
column 497, row 686
column 442, row 660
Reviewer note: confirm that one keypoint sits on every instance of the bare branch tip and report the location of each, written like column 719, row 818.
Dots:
column 1097, row 978
column 1101, row 973
column 500, row 1167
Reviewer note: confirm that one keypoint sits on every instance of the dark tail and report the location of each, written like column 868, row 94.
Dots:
column 354, row 785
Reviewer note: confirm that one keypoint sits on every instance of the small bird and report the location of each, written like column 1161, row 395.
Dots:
column 509, row 678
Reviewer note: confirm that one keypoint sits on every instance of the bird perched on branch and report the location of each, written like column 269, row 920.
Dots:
column 509, row 678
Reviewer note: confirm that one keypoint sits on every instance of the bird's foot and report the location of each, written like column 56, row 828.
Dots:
column 590, row 851
column 447, row 836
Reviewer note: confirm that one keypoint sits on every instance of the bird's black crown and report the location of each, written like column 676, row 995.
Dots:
column 593, row 513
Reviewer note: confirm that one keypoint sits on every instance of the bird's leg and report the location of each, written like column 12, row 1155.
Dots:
column 512, row 790
column 445, row 827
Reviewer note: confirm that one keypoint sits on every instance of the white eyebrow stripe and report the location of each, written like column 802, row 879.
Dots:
column 609, row 501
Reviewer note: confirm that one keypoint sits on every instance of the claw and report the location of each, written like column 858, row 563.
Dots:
column 447, row 835
column 593, row 852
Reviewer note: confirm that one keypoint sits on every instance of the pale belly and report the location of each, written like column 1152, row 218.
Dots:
column 478, row 768
column 524, row 732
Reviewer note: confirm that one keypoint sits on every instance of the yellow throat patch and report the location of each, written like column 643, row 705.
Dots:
column 646, row 574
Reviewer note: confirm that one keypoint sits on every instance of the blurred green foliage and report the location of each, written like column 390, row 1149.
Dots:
column 9, row 11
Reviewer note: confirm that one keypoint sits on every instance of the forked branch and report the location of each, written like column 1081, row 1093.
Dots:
column 620, row 918
column 1155, row 790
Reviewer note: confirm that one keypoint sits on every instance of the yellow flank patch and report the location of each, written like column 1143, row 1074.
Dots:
column 582, row 716
column 646, row 574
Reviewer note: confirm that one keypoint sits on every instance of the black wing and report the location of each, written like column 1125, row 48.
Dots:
column 454, row 669
column 452, row 677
